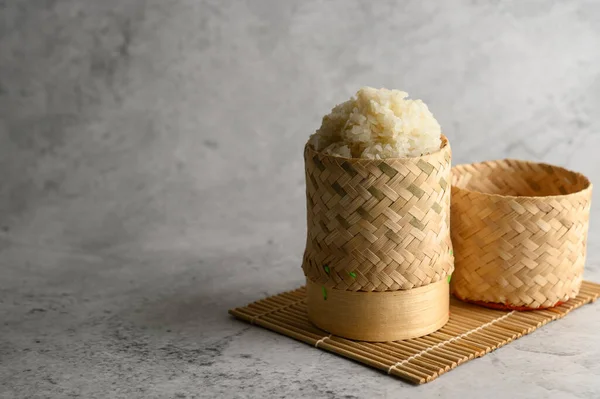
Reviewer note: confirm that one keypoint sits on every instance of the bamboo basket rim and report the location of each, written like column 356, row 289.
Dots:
column 460, row 168
column 445, row 143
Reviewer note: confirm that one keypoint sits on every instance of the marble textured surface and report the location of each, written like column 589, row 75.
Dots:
column 152, row 178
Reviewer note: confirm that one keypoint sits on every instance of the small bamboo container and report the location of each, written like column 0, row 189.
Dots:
column 378, row 250
column 519, row 231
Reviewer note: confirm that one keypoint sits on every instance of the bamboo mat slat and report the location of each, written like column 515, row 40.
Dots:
column 472, row 332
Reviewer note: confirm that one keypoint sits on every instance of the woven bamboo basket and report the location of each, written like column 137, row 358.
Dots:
column 374, row 227
column 519, row 231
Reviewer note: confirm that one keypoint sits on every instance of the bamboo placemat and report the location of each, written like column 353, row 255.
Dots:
column 472, row 332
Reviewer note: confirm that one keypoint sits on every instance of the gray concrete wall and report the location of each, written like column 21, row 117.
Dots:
column 151, row 151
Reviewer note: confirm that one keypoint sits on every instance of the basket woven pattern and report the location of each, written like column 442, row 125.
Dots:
column 519, row 231
column 378, row 225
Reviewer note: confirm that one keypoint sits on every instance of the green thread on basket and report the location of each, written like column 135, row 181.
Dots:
column 352, row 274
column 326, row 268
column 449, row 277
column 324, row 293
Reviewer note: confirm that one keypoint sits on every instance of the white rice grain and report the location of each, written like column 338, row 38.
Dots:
column 378, row 124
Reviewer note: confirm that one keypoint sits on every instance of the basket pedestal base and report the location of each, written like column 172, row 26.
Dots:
column 379, row 316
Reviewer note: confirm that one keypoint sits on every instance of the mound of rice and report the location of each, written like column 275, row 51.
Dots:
column 377, row 124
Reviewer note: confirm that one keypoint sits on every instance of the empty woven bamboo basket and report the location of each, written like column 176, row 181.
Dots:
column 519, row 231
column 375, row 227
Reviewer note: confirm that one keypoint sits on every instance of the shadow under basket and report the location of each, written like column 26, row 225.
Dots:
column 519, row 232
